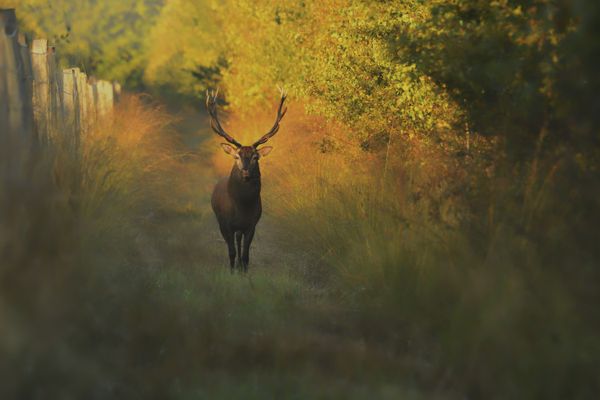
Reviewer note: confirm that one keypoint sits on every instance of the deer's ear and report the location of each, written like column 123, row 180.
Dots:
column 264, row 151
column 229, row 149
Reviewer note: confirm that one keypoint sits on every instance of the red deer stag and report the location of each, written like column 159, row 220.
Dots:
column 236, row 200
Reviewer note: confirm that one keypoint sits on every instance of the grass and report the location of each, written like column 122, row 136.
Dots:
column 359, row 286
column 138, row 301
column 447, row 255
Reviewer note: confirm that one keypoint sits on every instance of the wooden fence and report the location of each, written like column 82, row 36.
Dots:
column 40, row 101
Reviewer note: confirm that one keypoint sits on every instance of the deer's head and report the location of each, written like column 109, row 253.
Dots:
column 246, row 157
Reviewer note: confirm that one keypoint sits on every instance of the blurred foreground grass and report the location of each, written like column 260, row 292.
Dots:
column 114, row 285
column 114, row 281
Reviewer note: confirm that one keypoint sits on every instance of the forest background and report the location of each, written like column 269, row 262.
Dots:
column 440, row 161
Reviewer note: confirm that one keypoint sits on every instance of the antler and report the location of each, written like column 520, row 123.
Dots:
column 275, row 127
column 211, row 106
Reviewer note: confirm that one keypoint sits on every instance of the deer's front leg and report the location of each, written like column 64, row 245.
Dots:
column 238, row 242
column 228, row 236
column 248, row 236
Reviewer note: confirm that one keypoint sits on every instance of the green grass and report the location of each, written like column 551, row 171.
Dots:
column 352, row 293
column 133, row 297
column 491, row 299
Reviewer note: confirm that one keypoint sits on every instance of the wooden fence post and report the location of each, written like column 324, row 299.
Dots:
column 36, row 96
column 27, row 70
column 91, row 102
column 41, row 88
column 55, row 92
column 104, row 100
column 71, row 103
column 16, row 119
column 82, row 99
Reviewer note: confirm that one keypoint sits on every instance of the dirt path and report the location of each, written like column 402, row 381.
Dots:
column 269, row 250
column 277, row 330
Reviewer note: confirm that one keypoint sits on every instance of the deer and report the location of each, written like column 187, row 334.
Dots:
column 236, row 199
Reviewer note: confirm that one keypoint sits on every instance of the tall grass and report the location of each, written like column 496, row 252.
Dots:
column 426, row 276
column 70, row 229
column 129, row 160
column 117, row 290
column 451, row 255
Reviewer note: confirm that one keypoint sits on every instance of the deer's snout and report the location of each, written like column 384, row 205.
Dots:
column 245, row 173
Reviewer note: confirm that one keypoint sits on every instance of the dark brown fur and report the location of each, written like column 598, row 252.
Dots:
column 237, row 205
column 236, row 200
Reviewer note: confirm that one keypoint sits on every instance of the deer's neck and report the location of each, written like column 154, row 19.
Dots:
column 244, row 192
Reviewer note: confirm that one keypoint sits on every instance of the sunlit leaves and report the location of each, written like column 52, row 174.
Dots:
column 184, row 44
column 105, row 38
